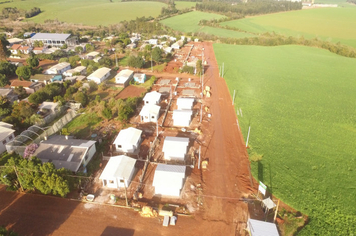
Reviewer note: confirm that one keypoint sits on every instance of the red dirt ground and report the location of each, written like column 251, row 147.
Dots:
column 130, row 91
column 224, row 183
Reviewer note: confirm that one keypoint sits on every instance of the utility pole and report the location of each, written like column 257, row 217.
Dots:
column 18, row 178
column 248, row 135
column 199, row 157
column 127, row 203
column 151, row 62
column 157, row 128
column 275, row 214
column 233, row 98
column 201, row 112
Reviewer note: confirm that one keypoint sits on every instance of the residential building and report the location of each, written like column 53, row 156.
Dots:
column 15, row 48
column 175, row 148
column 185, row 103
column 58, row 69
column 153, row 41
column 118, row 172
column 79, row 69
column 182, row 117
column 55, row 40
column 65, row 152
column 150, row 113
column 29, row 86
column 6, row 135
column 168, row 180
column 139, row 77
column 128, row 140
column 92, row 55
column 38, row 50
column 46, row 79
column 13, row 41
column 9, row 94
column 99, row 75
column 25, row 49
column 152, row 98
column 261, row 228
column 124, row 77
column 52, row 107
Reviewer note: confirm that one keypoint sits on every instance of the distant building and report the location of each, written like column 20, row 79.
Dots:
column 152, row 98
column 46, row 79
column 6, row 135
column 55, row 40
column 29, row 86
column 150, row 113
column 168, row 180
column 139, row 77
column 128, row 140
column 261, row 228
column 15, row 48
column 99, row 75
column 124, row 77
column 79, row 69
column 9, row 94
column 58, row 69
column 175, row 148
column 153, row 41
column 29, row 34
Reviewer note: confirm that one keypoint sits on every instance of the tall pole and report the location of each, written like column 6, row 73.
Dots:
column 201, row 113
column 151, row 62
column 275, row 214
column 127, row 203
column 248, row 135
column 116, row 59
column 233, row 98
column 199, row 157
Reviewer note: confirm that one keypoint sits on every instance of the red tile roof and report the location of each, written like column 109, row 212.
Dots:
column 15, row 46
column 18, row 83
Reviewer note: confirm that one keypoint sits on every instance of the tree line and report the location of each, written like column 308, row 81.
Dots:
column 239, row 9
column 13, row 13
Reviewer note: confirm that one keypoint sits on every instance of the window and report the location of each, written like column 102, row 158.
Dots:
column 152, row 117
column 4, row 142
column 121, row 181
column 119, row 146
column 10, row 137
column 146, row 117
column 111, row 181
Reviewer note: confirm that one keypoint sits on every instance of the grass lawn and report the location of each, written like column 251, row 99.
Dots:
column 82, row 125
column 332, row 24
column 300, row 104
column 182, row 5
column 189, row 22
column 90, row 12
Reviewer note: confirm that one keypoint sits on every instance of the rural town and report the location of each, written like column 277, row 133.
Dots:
column 177, row 117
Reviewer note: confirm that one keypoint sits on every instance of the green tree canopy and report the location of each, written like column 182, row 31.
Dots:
column 24, row 72
column 4, row 80
column 136, row 62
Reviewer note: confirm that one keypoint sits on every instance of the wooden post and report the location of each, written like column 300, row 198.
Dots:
column 233, row 98
column 248, row 135
column 18, row 178
column 275, row 214
column 127, row 203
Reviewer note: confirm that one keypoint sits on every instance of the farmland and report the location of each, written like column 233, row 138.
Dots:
column 93, row 12
column 182, row 5
column 189, row 22
column 331, row 24
column 302, row 119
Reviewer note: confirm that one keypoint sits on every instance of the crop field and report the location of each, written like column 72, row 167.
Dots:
column 182, row 5
column 300, row 104
column 91, row 12
column 332, row 24
column 189, row 22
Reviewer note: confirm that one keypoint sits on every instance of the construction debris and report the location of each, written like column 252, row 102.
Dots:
column 148, row 212
column 204, row 164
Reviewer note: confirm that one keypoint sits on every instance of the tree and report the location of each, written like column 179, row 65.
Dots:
column 136, row 62
column 38, row 43
column 21, row 92
column 5, row 106
column 78, row 49
column 38, row 97
column 4, row 80
column 89, row 47
column 157, row 54
column 107, row 113
column 5, row 232
column 81, row 98
column 24, row 72
column 22, row 110
column 7, row 68
column 32, row 61
column 4, row 51
column 63, row 59
column 199, row 67
column 73, row 60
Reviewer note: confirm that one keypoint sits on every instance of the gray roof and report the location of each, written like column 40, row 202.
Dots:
column 67, row 153
column 261, row 228
column 49, row 36
column 5, row 91
column 5, row 130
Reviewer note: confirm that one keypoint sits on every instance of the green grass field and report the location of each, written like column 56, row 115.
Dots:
column 332, row 24
column 188, row 22
column 182, row 5
column 91, row 12
column 300, row 103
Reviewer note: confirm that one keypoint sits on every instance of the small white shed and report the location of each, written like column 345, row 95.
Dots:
column 118, row 172
column 182, row 117
column 150, row 113
column 185, row 103
column 175, row 148
column 128, row 140
column 153, row 98
column 169, row 179
column 261, row 228
column 99, row 75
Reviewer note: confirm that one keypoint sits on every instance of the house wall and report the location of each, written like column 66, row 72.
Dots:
column 149, row 118
column 6, row 140
column 173, row 192
column 89, row 155
column 181, row 122
column 174, row 155
column 110, row 182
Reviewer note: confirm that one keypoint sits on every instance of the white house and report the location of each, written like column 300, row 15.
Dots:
column 168, row 180
column 153, row 41
column 185, row 103
column 99, row 75
column 175, row 148
column 182, row 117
column 92, row 55
column 55, row 40
column 124, row 77
column 50, row 106
column 66, row 152
column 79, row 69
column 6, row 135
column 118, row 172
column 177, row 45
column 168, row 50
column 128, row 140
column 150, row 113
column 15, row 48
column 152, row 98
column 261, row 228
column 58, row 69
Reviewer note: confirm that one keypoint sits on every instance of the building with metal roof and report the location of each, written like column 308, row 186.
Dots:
column 118, row 172
column 152, row 98
column 65, row 152
column 185, row 103
column 261, row 228
column 168, row 180
column 55, row 40
column 99, row 75
column 128, row 140
column 58, row 69
column 150, row 113
column 175, row 148
column 124, row 77
column 182, row 118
